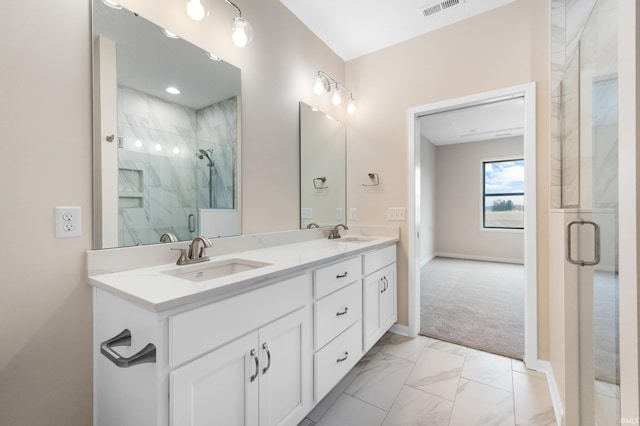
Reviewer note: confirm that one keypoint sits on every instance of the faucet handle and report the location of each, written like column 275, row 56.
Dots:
column 183, row 256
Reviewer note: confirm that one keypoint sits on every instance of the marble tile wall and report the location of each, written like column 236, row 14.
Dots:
column 161, row 180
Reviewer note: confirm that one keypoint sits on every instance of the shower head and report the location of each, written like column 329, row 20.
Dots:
column 203, row 153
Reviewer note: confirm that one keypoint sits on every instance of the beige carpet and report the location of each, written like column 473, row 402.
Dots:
column 481, row 305
column 475, row 304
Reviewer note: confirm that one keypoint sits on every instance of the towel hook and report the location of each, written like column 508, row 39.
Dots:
column 320, row 185
column 375, row 178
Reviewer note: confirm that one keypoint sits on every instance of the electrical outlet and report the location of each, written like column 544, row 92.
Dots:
column 395, row 213
column 353, row 213
column 68, row 222
column 306, row 213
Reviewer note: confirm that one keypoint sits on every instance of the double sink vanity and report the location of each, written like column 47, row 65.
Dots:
column 257, row 334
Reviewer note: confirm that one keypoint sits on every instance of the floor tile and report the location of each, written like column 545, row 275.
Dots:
column 532, row 401
column 417, row 408
column 481, row 405
column 607, row 410
column 349, row 411
column 437, row 372
column 446, row 346
column 519, row 366
column 381, row 380
column 332, row 396
column 607, row 389
column 405, row 347
column 488, row 369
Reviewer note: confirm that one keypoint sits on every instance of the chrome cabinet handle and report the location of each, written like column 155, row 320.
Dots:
column 346, row 309
column 255, row 358
column 343, row 358
column 342, row 275
column 320, row 185
column 596, row 243
column 145, row 355
column 266, row 348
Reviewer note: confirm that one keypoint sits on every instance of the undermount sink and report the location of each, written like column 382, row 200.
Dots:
column 211, row 270
column 354, row 239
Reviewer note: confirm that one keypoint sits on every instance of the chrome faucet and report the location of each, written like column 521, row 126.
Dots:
column 313, row 225
column 168, row 237
column 335, row 232
column 195, row 253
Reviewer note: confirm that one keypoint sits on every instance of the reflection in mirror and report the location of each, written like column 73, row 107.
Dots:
column 322, row 168
column 166, row 127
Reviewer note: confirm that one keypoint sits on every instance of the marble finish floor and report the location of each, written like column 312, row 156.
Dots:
column 424, row 381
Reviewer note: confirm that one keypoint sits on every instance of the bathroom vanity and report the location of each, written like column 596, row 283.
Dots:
column 254, row 336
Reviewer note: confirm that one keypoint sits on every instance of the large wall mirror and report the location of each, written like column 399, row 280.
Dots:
column 166, row 135
column 322, row 168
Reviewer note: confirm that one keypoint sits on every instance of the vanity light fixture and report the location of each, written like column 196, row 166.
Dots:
column 324, row 83
column 138, row 143
column 112, row 4
column 172, row 90
column 198, row 9
column 241, row 32
column 158, row 147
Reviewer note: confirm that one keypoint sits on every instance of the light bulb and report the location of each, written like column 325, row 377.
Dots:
column 176, row 150
column 172, row 90
column 169, row 34
column 241, row 32
column 112, row 4
column 318, row 85
column 351, row 107
column 196, row 10
column 138, row 143
column 336, row 98
column 158, row 147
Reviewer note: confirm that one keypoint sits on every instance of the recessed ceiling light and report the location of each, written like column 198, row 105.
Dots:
column 172, row 90
column 213, row 57
column 158, row 147
column 112, row 4
column 176, row 150
column 169, row 34
column 138, row 143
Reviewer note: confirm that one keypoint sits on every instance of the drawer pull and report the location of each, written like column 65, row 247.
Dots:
column 344, row 357
column 266, row 348
column 146, row 354
column 338, row 314
column 342, row 275
column 255, row 358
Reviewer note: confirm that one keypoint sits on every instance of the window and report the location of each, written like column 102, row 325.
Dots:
column 503, row 194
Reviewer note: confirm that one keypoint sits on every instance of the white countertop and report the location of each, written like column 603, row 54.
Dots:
column 156, row 291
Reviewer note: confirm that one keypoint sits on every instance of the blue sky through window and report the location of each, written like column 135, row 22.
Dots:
column 504, row 177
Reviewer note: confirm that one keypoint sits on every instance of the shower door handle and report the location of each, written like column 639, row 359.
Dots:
column 596, row 243
column 192, row 223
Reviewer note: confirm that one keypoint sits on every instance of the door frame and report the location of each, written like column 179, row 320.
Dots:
column 528, row 92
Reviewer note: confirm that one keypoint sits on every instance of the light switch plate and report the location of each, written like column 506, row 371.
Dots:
column 395, row 213
column 68, row 222
column 353, row 213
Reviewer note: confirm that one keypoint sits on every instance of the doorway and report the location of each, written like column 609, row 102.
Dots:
column 527, row 93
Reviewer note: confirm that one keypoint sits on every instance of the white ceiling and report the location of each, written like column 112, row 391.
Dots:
column 352, row 28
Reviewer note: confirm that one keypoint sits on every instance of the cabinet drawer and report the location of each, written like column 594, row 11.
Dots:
column 336, row 312
column 333, row 277
column 336, row 359
column 379, row 258
column 200, row 330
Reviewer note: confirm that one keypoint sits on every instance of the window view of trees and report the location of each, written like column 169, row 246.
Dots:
column 503, row 198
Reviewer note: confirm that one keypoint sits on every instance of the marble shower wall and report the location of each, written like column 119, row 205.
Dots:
column 159, row 173
column 583, row 129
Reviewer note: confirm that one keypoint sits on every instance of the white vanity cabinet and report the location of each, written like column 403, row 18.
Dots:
column 380, row 304
column 242, row 360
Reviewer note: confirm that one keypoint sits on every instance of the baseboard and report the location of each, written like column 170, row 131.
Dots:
column 399, row 329
column 482, row 258
column 558, row 408
column 427, row 260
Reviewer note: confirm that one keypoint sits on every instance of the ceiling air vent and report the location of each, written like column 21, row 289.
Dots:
column 438, row 7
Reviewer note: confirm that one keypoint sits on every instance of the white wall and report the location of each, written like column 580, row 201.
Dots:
column 428, row 182
column 45, row 161
column 459, row 231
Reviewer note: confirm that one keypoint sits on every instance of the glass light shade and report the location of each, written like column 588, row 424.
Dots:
column 336, row 98
column 241, row 32
column 197, row 9
column 318, row 85
column 112, row 4
column 351, row 107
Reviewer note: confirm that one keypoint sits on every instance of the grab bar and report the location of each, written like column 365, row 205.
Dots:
column 146, row 354
column 596, row 243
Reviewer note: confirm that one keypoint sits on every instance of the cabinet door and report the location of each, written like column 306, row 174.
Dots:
column 371, row 309
column 285, row 369
column 217, row 388
column 388, row 293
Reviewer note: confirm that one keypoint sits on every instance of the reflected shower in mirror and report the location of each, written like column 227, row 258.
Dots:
column 322, row 168
column 166, row 121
